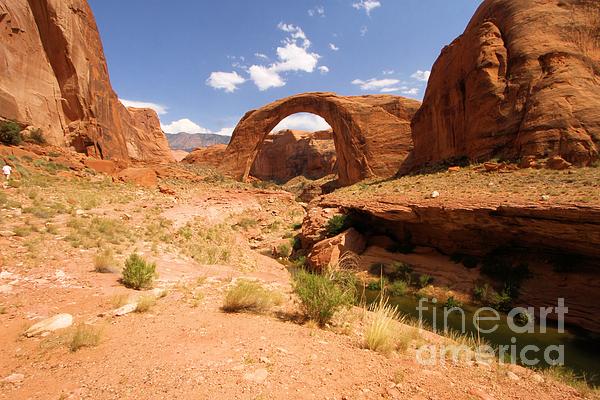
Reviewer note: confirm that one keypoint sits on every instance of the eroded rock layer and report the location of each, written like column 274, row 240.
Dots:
column 288, row 154
column 53, row 75
column 523, row 79
column 371, row 133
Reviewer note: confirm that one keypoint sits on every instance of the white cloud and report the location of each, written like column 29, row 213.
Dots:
column 184, row 125
column 318, row 11
column 422, row 76
column 410, row 91
column 333, row 47
column 265, row 78
column 363, row 31
column 227, row 81
column 367, row 5
column 390, row 89
column 293, row 56
column 303, row 122
column 388, row 72
column 261, row 55
column 188, row 126
column 323, row 69
column 160, row 109
column 375, row 84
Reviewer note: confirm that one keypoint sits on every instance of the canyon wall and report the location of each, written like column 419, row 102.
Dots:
column 523, row 79
column 54, row 76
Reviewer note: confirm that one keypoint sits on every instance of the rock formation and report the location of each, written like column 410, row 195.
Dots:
column 523, row 79
column 151, row 143
column 371, row 133
column 207, row 156
column 288, row 154
column 54, row 76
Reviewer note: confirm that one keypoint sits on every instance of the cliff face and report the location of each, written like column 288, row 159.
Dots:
column 288, row 154
column 54, row 76
column 523, row 79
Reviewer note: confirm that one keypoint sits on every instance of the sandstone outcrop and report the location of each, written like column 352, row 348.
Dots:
column 150, row 143
column 371, row 133
column 139, row 176
column 54, row 76
column 327, row 253
column 288, row 154
column 208, row 156
column 523, row 79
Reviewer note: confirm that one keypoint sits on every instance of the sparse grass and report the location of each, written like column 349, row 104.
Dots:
column 105, row 262
column 321, row 297
column 251, row 297
column 138, row 273
column 570, row 378
column 380, row 331
column 119, row 300
column 145, row 303
column 207, row 244
column 97, row 232
column 84, row 336
column 398, row 288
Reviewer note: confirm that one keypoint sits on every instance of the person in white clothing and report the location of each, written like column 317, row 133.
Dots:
column 6, row 170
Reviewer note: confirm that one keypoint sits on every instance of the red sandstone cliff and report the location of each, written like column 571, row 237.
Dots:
column 288, row 154
column 523, row 79
column 53, row 75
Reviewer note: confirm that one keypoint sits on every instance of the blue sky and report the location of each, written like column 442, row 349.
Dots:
column 202, row 64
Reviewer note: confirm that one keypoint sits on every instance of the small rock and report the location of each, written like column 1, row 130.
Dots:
column 126, row 309
column 159, row 292
column 480, row 394
column 51, row 324
column 79, row 212
column 265, row 360
column 537, row 378
column 5, row 289
column 14, row 378
column 435, row 194
column 545, row 197
column 258, row 376
column 512, row 376
column 490, row 167
column 7, row 233
column 454, row 169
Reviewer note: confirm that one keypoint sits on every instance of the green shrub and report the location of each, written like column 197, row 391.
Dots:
column 10, row 133
column 336, row 225
column 451, row 302
column 250, row 296
column 284, row 250
column 138, row 273
column 321, row 298
column 398, row 288
column 36, row 136
column 401, row 271
column 425, row 280
column 378, row 285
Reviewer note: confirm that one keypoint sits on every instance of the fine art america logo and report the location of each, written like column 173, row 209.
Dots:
column 480, row 352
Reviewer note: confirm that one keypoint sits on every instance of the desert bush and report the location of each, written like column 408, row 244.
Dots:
column 104, row 261
column 10, row 133
column 284, row 250
column 138, row 273
column 250, row 296
column 380, row 332
column 451, row 302
column 321, row 297
column 398, row 288
column 336, row 225
column 425, row 280
column 84, row 336
column 36, row 136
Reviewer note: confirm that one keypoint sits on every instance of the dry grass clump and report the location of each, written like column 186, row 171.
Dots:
column 209, row 245
column 97, row 232
column 145, row 303
column 105, row 262
column 570, row 378
column 250, row 296
column 380, row 333
column 84, row 336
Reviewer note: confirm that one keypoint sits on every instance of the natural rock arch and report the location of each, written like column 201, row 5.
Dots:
column 371, row 133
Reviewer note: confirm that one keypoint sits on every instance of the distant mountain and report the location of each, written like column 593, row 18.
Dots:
column 190, row 141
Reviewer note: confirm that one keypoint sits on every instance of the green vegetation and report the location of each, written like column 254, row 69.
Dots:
column 425, row 280
column 336, row 225
column 284, row 250
column 36, row 136
column 451, row 302
column 320, row 296
column 250, row 296
column 138, row 273
column 398, row 288
column 10, row 133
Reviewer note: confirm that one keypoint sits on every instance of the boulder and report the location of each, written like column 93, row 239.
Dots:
column 54, row 76
column 557, row 163
column 139, row 176
column 329, row 251
column 207, row 156
column 60, row 321
column 108, row 167
column 288, row 154
column 314, row 225
column 522, row 80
